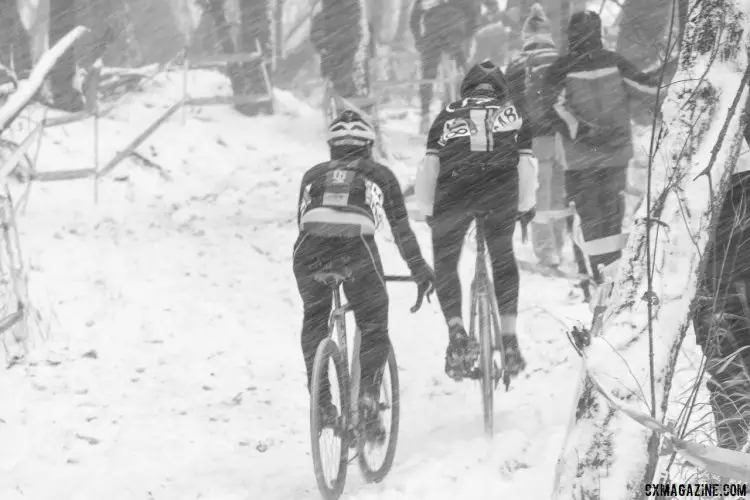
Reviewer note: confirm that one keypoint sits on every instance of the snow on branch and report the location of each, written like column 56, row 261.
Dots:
column 26, row 91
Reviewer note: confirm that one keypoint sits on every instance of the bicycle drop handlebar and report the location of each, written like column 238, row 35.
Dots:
column 421, row 293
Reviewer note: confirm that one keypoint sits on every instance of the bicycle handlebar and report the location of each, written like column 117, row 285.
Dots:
column 421, row 293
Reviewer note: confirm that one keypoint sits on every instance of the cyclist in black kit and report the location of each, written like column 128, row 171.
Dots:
column 339, row 209
column 478, row 158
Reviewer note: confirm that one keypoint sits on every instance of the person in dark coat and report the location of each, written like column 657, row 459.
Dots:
column 592, row 92
column 441, row 27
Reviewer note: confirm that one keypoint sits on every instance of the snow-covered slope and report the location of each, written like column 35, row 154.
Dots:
column 174, row 369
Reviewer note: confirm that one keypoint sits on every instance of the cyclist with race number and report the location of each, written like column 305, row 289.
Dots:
column 339, row 210
column 478, row 158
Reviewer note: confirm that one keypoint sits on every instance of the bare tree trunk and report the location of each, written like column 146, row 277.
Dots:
column 606, row 453
column 63, row 20
column 255, row 33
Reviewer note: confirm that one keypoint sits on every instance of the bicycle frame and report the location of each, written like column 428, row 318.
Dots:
column 337, row 322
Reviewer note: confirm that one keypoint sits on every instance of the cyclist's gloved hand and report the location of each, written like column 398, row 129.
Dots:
column 424, row 277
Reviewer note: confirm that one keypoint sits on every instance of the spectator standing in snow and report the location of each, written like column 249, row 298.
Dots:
column 338, row 43
column 592, row 90
column 722, row 319
column 441, row 27
column 526, row 80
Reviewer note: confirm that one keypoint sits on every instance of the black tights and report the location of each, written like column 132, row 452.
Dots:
column 365, row 293
column 448, row 232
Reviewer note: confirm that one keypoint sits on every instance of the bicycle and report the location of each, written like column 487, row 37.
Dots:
column 347, row 426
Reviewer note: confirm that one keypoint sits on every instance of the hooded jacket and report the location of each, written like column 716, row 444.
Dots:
column 591, row 91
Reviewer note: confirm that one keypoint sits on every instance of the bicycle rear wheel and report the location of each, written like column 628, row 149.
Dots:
column 486, row 363
column 330, row 462
column 390, row 410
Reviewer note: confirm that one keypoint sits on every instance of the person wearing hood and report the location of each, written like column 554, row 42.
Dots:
column 441, row 27
column 478, row 158
column 592, row 92
column 526, row 81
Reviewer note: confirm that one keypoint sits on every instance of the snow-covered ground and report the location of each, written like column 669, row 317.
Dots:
column 173, row 368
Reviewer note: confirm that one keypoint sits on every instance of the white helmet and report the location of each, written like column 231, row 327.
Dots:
column 350, row 129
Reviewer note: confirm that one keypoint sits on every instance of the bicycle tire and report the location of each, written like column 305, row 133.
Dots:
column 486, row 365
column 328, row 350
column 376, row 475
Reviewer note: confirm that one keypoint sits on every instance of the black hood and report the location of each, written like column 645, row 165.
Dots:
column 484, row 73
column 585, row 32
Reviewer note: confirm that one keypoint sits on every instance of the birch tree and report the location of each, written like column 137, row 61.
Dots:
column 634, row 348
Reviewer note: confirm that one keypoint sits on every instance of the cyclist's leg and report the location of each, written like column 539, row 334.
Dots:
column 316, row 299
column 368, row 297
column 499, row 229
column 448, row 232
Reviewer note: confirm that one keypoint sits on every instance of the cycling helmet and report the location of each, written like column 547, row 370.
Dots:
column 350, row 129
column 484, row 75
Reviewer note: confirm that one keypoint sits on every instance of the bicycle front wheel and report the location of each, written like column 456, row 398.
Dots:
column 486, row 364
column 329, row 427
column 376, row 459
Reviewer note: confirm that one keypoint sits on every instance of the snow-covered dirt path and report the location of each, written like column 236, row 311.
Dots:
column 174, row 369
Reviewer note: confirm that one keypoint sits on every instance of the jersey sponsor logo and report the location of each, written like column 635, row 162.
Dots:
column 457, row 127
column 374, row 200
column 506, row 119
column 337, row 188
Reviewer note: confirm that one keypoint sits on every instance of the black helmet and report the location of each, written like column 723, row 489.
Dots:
column 350, row 129
column 484, row 74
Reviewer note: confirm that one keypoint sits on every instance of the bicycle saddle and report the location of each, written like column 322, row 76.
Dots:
column 480, row 214
column 333, row 277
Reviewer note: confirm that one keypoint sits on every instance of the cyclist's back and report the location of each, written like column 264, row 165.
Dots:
column 339, row 210
column 475, row 141
column 473, row 163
